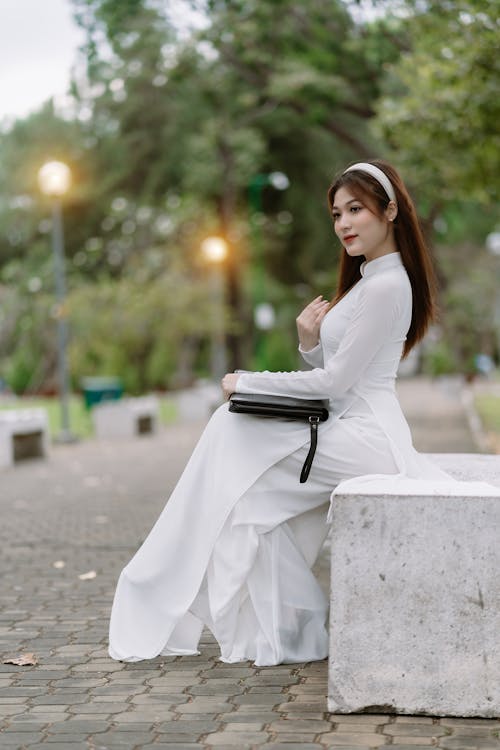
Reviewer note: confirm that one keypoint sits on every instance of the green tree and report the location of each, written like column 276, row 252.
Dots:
column 148, row 327
column 168, row 133
column 438, row 114
column 283, row 86
column 441, row 107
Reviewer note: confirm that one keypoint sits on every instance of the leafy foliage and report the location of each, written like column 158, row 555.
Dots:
column 441, row 106
column 168, row 134
column 142, row 329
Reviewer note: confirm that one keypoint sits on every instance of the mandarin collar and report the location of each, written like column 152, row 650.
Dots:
column 391, row 260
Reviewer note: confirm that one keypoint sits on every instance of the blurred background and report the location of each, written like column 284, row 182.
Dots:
column 185, row 224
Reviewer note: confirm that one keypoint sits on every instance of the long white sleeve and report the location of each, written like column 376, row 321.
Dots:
column 379, row 306
column 313, row 356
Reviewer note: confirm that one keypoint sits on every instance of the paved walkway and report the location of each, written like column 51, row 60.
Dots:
column 437, row 419
column 85, row 511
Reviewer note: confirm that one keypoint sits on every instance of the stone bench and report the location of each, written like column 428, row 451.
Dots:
column 415, row 599
column 126, row 418
column 24, row 433
column 197, row 403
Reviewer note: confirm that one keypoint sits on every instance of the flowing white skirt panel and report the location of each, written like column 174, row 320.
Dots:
column 259, row 596
column 255, row 590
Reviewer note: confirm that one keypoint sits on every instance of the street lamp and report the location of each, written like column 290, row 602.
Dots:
column 54, row 179
column 215, row 251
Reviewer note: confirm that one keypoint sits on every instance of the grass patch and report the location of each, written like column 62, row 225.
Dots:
column 168, row 410
column 80, row 419
column 488, row 408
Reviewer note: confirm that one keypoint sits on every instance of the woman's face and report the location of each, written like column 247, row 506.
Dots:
column 360, row 230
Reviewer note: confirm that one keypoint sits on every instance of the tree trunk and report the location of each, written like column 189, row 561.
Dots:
column 226, row 208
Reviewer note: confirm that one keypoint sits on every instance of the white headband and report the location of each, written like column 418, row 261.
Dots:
column 379, row 176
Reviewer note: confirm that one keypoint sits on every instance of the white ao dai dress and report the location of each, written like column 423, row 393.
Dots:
column 234, row 545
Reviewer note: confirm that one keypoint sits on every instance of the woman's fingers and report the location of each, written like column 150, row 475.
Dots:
column 315, row 305
column 309, row 321
column 313, row 314
column 322, row 311
column 229, row 383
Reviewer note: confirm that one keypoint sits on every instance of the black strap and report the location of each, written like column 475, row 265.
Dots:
column 313, row 421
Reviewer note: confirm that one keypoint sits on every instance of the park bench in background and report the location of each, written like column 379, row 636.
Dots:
column 126, row 418
column 415, row 599
column 198, row 403
column 24, row 433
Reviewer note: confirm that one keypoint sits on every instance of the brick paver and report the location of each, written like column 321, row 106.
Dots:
column 87, row 509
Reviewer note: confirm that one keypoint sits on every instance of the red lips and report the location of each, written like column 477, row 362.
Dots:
column 350, row 237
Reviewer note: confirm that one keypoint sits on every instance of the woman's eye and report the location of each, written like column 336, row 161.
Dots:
column 335, row 216
column 355, row 209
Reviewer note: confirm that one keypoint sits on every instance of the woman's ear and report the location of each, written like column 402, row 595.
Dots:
column 391, row 211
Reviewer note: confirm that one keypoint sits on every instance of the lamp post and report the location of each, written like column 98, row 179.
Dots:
column 263, row 310
column 214, row 251
column 54, row 179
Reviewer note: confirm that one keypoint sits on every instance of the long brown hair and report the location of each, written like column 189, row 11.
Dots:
column 409, row 242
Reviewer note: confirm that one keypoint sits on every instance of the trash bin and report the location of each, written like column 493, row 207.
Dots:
column 96, row 390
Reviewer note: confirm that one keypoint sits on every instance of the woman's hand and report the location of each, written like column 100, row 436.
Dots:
column 309, row 321
column 228, row 383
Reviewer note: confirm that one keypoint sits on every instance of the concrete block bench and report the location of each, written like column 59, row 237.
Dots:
column 24, row 433
column 126, row 418
column 415, row 599
column 199, row 402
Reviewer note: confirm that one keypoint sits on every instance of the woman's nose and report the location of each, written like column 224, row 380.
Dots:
column 343, row 222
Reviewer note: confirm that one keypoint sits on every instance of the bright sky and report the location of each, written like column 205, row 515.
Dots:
column 38, row 45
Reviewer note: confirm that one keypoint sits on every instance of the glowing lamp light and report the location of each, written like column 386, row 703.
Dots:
column 214, row 249
column 54, row 178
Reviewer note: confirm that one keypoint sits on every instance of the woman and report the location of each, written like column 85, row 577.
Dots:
column 234, row 546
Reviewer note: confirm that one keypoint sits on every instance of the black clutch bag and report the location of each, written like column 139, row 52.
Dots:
column 307, row 410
